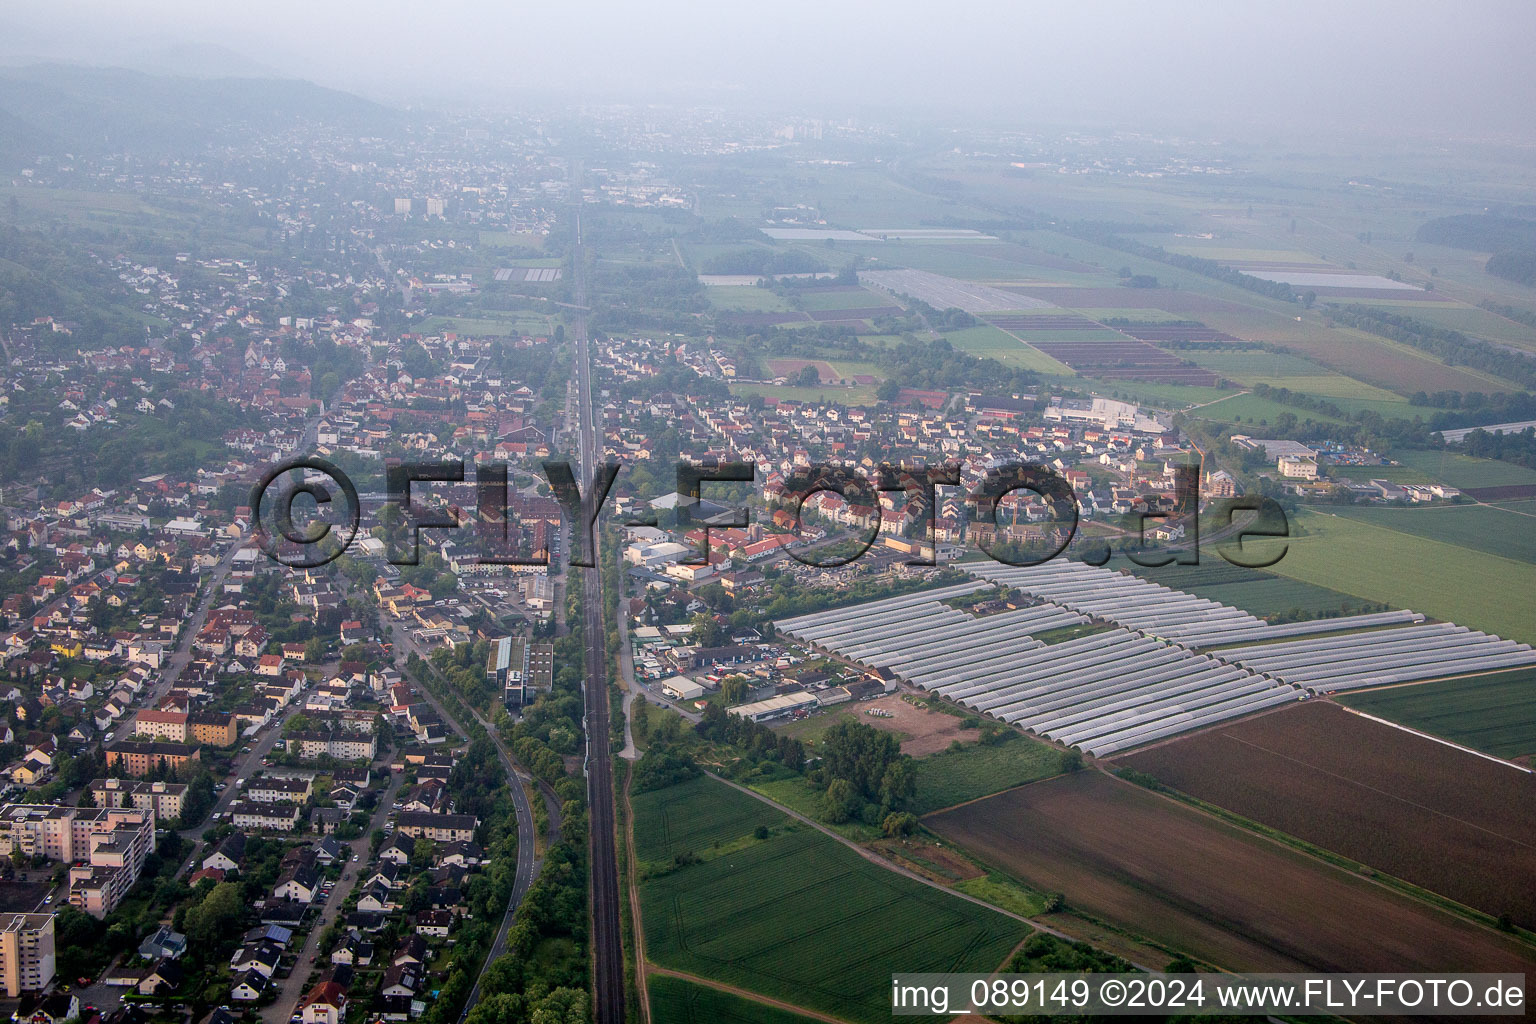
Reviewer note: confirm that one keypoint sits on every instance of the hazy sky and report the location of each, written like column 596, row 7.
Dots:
column 1385, row 64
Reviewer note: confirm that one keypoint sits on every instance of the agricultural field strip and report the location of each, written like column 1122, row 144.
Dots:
column 1495, row 713
column 1450, row 820
column 1146, row 681
column 1242, row 902
column 948, row 292
column 821, row 912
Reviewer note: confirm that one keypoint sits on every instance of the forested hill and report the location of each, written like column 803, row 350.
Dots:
column 52, row 108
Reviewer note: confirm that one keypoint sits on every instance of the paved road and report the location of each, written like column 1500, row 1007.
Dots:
column 292, row 988
column 528, row 862
column 607, row 951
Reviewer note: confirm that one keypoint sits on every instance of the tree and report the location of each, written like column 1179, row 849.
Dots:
column 859, row 754
column 218, row 913
column 561, row 1006
column 840, row 801
column 901, row 823
column 734, row 688
column 706, row 631
column 421, row 853
column 898, row 784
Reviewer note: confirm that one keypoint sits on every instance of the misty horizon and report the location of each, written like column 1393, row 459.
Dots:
column 1291, row 69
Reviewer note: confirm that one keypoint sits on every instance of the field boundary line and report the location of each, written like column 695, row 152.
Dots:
column 1255, row 830
column 1440, row 739
column 1373, row 789
column 988, row 796
column 746, row 993
column 880, row 861
column 636, row 921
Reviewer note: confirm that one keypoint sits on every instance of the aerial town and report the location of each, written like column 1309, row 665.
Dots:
column 595, row 562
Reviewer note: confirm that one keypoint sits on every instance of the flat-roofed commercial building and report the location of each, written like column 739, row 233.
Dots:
column 521, row 668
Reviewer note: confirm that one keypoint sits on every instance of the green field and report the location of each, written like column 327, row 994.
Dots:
column 468, row 325
column 1496, row 713
column 954, row 776
column 1497, row 530
column 693, row 817
column 1447, row 581
column 1464, row 471
column 1251, row 410
column 1282, row 370
column 511, row 239
column 988, row 342
column 799, row 916
column 863, row 298
column 1254, row 591
column 1154, row 393
column 745, row 298
column 674, row 1001
column 1475, row 321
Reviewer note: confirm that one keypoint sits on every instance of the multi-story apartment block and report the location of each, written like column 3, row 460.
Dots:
column 26, row 953
column 105, row 847
column 161, row 725
column 343, row 746
column 140, row 758
column 215, row 728
column 441, row 828
column 165, row 799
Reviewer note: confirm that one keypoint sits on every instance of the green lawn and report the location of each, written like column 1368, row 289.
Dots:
column 954, row 776
column 1496, row 713
column 1444, row 580
column 675, row 1001
column 802, row 918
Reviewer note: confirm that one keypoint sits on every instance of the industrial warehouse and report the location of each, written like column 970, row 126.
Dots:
column 1149, row 663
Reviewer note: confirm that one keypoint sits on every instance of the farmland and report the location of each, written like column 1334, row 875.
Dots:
column 976, row 770
column 988, row 342
column 1508, row 532
column 1185, row 879
column 827, row 927
column 694, row 816
column 1279, row 370
column 1496, row 713
column 675, row 1001
column 1465, row 472
column 1253, row 590
column 1438, row 817
column 1444, row 580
